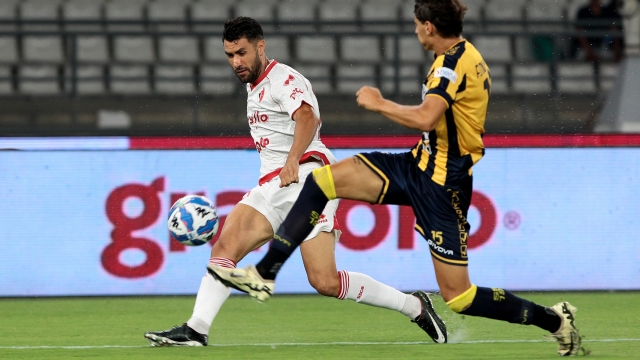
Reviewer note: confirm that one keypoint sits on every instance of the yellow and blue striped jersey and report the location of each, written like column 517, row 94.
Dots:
column 461, row 78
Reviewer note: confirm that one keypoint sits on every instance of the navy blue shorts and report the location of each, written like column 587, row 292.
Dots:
column 441, row 211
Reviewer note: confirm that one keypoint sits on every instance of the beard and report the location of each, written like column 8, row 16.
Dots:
column 251, row 74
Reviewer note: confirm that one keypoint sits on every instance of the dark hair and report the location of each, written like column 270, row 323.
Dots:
column 236, row 29
column 446, row 15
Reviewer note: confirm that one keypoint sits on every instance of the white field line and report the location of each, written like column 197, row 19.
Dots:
column 313, row 344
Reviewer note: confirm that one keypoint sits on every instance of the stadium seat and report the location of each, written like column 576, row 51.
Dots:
column 333, row 11
column 498, row 12
column 262, row 11
column 473, row 16
column 410, row 81
column 6, row 83
column 178, row 49
column 214, row 49
column 92, row 49
column 33, row 10
column 90, row 80
column 296, row 11
column 494, row 48
column 125, row 10
column 607, row 74
column 174, row 80
column 38, row 80
column 210, row 10
column 278, row 48
column 46, row 49
column 168, row 10
column 499, row 79
column 545, row 10
column 316, row 49
column 380, row 10
column 8, row 11
column 576, row 78
column 138, row 49
column 129, row 79
column 531, row 79
column 83, row 10
column 350, row 78
column 218, row 80
column 410, row 50
column 8, row 50
column 360, row 49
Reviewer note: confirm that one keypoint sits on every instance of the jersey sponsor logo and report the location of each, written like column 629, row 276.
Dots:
column 257, row 117
column 446, row 73
column 452, row 51
column 289, row 80
column 295, row 93
column 261, row 95
column 439, row 249
column 263, row 143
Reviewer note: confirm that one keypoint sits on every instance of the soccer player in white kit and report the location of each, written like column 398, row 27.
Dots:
column 284, row 119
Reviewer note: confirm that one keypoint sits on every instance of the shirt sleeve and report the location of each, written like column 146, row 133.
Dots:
column 445, row 78
column 291, row 92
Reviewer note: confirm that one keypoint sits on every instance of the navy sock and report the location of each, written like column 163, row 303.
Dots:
column 502, row 305
column 298, row 224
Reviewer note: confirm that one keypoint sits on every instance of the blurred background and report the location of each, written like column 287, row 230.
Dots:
column 157, row 67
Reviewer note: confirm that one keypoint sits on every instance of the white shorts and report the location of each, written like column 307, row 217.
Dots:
column 275, row 202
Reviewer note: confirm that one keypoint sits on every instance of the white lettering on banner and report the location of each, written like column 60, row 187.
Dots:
column 446, row 73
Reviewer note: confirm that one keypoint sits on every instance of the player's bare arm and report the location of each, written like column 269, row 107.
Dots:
column 306, row 126
column 421, row 117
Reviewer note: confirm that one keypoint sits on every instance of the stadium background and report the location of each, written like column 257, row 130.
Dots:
column 110, row 109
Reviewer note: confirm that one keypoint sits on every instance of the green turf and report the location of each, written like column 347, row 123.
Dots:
column 307, row 321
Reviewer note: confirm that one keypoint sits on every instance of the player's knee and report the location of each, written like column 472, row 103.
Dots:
column 325, row 285
column 462, row 301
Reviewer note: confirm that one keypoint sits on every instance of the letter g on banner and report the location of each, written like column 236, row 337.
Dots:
column 123, row 227
column 382, row 221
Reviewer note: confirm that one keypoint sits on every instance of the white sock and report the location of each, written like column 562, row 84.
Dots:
column 363, row 289
column 211, row 295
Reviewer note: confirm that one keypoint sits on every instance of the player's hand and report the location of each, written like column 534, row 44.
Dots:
column 369, row 98
column 289, row 173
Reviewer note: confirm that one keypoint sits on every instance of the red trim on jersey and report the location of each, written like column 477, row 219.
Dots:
column 296, row 110
column 264, row 74
column 306, row 158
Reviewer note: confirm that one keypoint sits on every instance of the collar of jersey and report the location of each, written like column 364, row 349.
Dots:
column 272, row 63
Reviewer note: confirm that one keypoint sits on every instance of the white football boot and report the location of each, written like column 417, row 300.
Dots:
column 567, row 336
column 247, row 280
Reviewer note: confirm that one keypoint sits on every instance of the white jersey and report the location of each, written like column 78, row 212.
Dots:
column 272, row 101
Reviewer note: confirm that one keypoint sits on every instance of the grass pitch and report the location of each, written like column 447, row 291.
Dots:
column 300, row 327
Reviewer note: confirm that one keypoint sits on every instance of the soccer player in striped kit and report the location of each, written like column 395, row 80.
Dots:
column 435, row 178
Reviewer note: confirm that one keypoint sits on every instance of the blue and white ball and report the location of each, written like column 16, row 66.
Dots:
column 193, row 220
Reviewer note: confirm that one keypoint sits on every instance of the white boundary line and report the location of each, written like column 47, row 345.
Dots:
column 313, row 344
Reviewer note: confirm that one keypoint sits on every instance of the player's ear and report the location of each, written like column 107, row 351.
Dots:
column 261, row 45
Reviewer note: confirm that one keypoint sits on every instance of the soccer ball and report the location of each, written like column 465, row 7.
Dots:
column 193, row 220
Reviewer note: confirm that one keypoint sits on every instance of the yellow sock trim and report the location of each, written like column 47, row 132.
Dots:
column 324, row 179
column 463, row 300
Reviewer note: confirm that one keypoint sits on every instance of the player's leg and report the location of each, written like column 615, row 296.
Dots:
column 318, row 255
column 347, row 179
column 465, row 298
column 245, row 229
